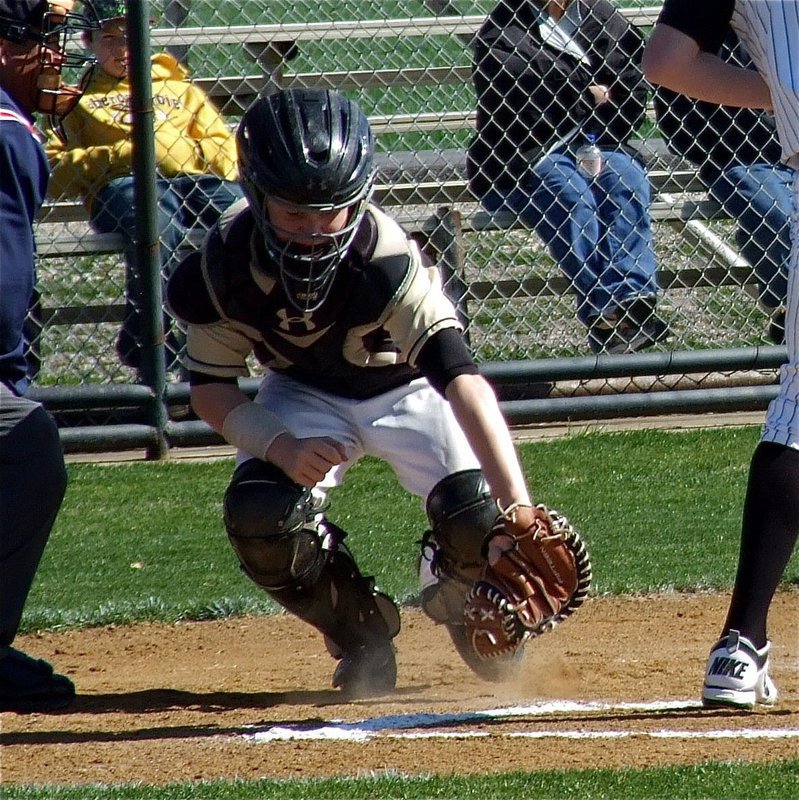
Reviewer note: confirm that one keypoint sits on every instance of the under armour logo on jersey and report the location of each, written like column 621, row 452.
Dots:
column 290, row 324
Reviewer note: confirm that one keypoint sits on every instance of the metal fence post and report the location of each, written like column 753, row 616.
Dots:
column 145, row 198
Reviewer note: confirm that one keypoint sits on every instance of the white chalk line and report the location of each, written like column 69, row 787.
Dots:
column 397, row 726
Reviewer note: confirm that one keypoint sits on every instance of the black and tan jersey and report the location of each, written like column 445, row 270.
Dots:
column 384, row 305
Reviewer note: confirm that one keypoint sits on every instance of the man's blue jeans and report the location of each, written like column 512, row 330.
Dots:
column 598, row 230
column 185, row 203
column 759, row 197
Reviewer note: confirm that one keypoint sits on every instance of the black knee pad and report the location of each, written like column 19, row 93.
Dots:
column 461, row 512
column 270, row 523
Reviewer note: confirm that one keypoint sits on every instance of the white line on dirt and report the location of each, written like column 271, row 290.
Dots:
column 399, row 726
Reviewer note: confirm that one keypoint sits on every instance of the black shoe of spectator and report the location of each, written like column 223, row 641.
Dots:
column 637, row 327
column 776, row 327
column 598, row 335
column 30, row 685
column 631, row 340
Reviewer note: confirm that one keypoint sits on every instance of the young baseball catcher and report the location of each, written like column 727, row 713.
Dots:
column 364, row 355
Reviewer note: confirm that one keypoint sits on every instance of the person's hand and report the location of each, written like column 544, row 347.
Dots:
column 600, row 93
column 305, row 461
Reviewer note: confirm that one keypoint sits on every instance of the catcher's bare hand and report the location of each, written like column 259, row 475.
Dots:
column 537, row 572
column 306, row 461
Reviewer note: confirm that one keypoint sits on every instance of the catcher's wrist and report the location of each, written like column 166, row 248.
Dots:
column 252, row 427
column 509, row 512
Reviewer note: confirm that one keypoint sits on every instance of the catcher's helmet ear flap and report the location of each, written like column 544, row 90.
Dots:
column 311, row 150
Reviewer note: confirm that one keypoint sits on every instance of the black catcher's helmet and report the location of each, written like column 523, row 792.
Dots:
column 312, row 150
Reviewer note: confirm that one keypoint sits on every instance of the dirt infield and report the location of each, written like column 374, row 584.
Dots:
column 616, row 685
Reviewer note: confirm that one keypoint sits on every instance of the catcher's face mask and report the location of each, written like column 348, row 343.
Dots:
column 52, row 71
column 308, row 243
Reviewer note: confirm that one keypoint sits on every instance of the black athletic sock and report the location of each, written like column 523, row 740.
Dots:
column 768, row 537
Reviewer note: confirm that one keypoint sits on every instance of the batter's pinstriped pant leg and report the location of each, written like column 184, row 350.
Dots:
column 782, row 418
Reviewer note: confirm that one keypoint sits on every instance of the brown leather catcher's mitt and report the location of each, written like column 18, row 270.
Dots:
column 537, row 573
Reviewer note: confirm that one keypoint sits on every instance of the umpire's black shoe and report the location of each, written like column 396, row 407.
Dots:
column 367, row 670
column 30, row 685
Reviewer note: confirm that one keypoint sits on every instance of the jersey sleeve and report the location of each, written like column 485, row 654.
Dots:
column 217, row 350
column 443, row 357
column 422, row 311
column 706, row 22
column 215, row 347
column 23, row 182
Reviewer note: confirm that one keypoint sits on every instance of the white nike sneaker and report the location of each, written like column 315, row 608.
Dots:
column 737, row 674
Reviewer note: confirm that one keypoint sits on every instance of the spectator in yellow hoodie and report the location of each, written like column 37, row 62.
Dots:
column 91, row 158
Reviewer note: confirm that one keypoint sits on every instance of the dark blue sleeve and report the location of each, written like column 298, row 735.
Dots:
column 705, row 21
column 23, row 182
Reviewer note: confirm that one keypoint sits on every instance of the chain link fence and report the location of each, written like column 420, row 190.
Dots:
column 557, row 262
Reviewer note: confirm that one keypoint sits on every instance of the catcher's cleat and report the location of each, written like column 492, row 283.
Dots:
column 737, row 674
column 367, row 670
column 442, row 597
column 495, row 669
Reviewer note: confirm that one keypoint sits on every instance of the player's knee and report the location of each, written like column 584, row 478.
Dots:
column 461, row 512
column 270, row 524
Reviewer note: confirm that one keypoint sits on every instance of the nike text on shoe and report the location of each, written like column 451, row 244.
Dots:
column 737, row 674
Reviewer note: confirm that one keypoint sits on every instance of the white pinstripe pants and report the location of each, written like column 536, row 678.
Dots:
column 782, row 418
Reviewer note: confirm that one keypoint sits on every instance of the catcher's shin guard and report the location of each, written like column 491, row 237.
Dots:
column 358, row 621
column 269, row 521
column 461, row 512
column 287, row 547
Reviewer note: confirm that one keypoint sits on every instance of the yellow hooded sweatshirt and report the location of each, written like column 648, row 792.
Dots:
column 191, row 138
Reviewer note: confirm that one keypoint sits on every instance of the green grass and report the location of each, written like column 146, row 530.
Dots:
column 143, row 541
column 700, row 782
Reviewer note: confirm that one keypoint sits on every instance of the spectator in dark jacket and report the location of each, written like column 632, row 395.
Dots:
column 550, row 76
column 738, row 156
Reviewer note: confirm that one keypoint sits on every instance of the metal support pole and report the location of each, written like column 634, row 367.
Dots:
column 145, row 199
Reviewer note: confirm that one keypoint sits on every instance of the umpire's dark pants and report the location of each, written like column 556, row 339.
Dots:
column 33, row 480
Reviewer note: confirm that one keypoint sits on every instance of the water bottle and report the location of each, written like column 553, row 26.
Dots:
column 589, row 158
